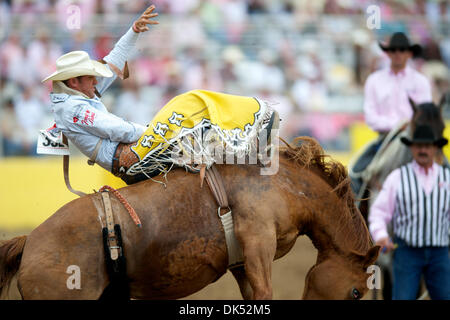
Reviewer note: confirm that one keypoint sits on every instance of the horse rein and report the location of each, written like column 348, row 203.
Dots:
column 66, row 171
column 102, row 190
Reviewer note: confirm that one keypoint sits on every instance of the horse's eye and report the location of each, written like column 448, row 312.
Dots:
column 356, row 294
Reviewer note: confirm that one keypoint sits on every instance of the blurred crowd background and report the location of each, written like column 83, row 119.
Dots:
column 309, row 57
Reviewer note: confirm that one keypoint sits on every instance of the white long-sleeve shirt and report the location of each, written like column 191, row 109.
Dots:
column 84, row 121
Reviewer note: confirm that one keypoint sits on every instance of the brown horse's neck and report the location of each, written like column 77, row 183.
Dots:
column 334, row 230
column 331, row 220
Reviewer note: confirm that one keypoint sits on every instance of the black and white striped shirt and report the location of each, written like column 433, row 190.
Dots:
column 419, row 219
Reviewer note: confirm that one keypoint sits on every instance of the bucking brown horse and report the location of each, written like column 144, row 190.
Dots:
column 181, row 246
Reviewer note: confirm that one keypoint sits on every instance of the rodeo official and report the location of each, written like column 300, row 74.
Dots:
column 416, row 198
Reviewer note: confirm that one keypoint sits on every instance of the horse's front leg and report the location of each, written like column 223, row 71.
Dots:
column 259, row 248
column 242, row 280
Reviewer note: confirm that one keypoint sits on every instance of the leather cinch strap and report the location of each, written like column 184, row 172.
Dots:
column 66, row 171
column 214, row 180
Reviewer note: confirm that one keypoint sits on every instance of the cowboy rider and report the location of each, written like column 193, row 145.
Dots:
column 77, row 87
column 387, row 93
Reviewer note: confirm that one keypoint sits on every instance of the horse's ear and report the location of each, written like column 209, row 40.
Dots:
column 368, row 259
column 413, row 104
column 371, row 256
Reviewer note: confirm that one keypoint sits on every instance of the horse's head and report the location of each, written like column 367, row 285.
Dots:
column 428, row 114
column 340, row 277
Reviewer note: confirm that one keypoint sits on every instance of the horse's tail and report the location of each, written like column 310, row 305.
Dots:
column 10, row 257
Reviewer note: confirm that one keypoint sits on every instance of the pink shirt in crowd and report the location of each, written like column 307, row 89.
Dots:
column 382, row 210
column 386, row 94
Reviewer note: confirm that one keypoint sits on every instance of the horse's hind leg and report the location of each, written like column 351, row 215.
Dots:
column 242, row 280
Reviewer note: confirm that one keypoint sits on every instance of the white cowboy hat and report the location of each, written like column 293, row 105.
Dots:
column 78, row 63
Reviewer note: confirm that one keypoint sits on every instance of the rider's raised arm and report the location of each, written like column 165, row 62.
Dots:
column 83, row 118
column 124, row 47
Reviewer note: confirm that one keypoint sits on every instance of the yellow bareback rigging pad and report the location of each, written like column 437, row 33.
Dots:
column 235, row 120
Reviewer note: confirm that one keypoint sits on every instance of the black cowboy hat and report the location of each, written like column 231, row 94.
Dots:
column 424, row 134
column 399, row 41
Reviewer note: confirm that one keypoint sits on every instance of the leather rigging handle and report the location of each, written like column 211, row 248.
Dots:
column 66, row 171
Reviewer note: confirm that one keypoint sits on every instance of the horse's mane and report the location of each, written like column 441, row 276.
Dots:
column 308, row 153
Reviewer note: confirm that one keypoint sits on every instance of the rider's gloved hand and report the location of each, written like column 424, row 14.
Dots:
column 140, row 25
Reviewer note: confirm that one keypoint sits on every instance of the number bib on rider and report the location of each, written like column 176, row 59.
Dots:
column 50, row 144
